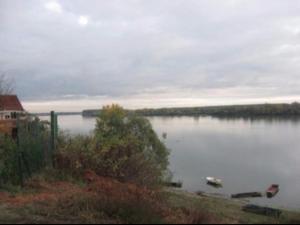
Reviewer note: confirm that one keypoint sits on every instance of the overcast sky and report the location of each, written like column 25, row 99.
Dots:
column 75, row 54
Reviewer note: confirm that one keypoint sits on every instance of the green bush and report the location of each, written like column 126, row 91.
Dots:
column 74, row 155
column 19, row 159
column 128, row 148
column 124, row 146
column 8, row 161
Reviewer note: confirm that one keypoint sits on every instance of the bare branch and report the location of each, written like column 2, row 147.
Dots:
column 6, row 85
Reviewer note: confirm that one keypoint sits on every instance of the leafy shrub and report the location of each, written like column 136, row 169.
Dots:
column 20, row 158
column 128, row 148
column 8, row 161
column 124, row 146
column 74, row 154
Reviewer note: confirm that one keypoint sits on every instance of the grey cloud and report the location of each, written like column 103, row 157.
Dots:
column 133, row 46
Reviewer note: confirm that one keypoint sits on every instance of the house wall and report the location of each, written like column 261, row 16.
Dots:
column 8, row 121
column 10, row 115
column 6, row 127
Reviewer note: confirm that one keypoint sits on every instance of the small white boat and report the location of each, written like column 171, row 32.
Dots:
column 214, row 182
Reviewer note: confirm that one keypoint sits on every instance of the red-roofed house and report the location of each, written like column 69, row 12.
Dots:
column 10, row 108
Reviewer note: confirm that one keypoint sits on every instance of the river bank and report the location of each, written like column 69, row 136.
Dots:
column 97, row 202
column 226, row 210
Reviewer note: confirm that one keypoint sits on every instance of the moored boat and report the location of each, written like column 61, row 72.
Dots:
column 265, row 211
column 214, row 182
column 248, row 195
column 273, row 191
column 174, row 184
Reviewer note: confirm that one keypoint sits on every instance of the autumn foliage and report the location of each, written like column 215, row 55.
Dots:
column 123, row 146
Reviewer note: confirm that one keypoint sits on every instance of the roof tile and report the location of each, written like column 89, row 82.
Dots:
column 10, row 103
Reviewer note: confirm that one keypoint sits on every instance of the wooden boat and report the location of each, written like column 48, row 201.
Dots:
column 217, row 183
column 174, row 184
column 265, row 211
column 248, row 195
column 273, row 191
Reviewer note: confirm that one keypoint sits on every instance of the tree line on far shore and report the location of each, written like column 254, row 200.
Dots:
column 261, row 110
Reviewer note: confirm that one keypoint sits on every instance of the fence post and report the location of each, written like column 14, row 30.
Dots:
column 56, row 127
column 54, row 131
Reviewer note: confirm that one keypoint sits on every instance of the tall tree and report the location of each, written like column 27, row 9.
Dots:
column 127, row 148
column 6, row 85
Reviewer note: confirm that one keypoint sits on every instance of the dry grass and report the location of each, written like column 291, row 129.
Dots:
column 102, row 200
column 106, row 200
column 225, row 210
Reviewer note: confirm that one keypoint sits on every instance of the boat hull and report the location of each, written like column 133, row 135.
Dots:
column 272, row 191
column 217, row 183
column 265, row 211
column 248, row 195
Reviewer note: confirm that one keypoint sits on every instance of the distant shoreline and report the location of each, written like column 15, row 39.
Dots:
column 261, row 110
column 59, row 113
column 234, row 111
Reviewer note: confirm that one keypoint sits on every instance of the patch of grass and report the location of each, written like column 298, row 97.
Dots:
column 9, row 216
column 225, row 210
column 92, row 209
column 12, row 189
column 105, row 200
column 50, row 175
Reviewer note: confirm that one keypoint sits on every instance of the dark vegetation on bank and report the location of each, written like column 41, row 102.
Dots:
column 113, row 176
column 123, row 146
column 60, row 114
column 262, row 110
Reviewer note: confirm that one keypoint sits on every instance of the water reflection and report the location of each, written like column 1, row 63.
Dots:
column 295, row 120
column 247, row 154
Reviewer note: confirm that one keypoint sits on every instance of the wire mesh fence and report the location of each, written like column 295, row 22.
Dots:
column 28, row 150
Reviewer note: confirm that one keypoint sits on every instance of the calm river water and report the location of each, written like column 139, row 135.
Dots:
column 248, row 155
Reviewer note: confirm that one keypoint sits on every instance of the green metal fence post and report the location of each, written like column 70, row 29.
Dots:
column 56, row 127
column 53, row 136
